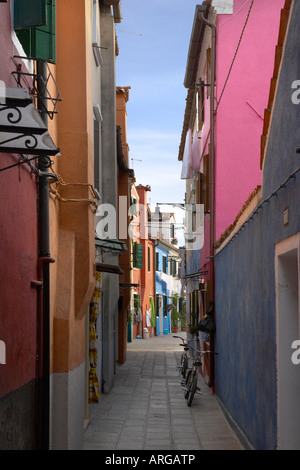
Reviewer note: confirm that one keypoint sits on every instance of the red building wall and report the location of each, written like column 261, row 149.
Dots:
column 18, row 267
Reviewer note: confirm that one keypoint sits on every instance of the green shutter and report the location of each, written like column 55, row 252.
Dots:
column 149, row 259
column 44, row 38
column 172, row 229
column 157, row 261
column 29, row 13
column 39, row 41
column 138, row 255
column 164, row 264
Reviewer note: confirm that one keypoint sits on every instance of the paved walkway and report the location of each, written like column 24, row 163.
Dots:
column 146, row 409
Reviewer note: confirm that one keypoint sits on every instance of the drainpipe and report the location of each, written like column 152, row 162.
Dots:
column 44, row 260
column 212, row 176
column 116, row 4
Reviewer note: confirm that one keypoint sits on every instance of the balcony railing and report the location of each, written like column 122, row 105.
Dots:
column 33, row 82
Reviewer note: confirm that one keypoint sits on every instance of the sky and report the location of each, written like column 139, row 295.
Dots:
column 153, row 40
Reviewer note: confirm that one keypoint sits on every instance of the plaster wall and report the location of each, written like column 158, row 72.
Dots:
column 68, row 414
column 239, row 117
column 19, row 261
column 247, row 332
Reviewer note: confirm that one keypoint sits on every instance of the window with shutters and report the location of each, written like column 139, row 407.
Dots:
column 172, row 230
column 164, row 264
column 173, row 266
column 149, row 259
column 97, row 134
column 35, row 26
column 200, row 105
column 208, row 71
column 133, row 203
column 204, row 184
column 157, row 261
column 138, row 255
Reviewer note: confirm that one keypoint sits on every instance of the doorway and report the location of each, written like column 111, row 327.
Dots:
column 288, row 330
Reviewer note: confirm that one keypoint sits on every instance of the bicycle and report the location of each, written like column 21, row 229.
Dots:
column 191, row 383
column 184, row 357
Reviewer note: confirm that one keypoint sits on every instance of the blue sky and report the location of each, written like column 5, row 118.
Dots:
column 153, row 41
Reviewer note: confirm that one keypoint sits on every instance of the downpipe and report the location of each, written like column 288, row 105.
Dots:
column 212, row 181
column 44, row 260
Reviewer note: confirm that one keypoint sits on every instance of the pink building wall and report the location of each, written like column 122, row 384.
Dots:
column 239, row 117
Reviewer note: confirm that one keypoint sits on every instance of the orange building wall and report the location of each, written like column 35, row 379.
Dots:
column 147, row 277
column 72, row 223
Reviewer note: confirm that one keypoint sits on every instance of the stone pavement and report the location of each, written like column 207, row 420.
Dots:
column 146, row 409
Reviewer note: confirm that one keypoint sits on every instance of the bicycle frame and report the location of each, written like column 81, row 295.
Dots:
column 191, row 383
column 184, row 357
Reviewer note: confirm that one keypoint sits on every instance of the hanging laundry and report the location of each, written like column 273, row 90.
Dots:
column 196, row 152
column 187, row 169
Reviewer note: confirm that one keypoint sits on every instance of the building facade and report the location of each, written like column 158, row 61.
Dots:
column 257, row 343
column 48, row 392
column 20, row 272
column 220, row 144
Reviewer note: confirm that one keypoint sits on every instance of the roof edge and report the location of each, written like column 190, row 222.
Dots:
column 197, row 29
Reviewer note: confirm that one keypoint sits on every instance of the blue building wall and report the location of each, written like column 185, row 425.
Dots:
column 161, row 288
column 246, row 367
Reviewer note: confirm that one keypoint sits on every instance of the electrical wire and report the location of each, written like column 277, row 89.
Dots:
column 237, row 49
column 262, row 203
column 231, row 18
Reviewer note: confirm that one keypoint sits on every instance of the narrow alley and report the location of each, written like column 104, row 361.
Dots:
column 146, row 409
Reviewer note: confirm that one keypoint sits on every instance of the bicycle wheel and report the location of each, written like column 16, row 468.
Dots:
column 181, row 362
column 184, row 365
column 192, row 391
column 188, row 383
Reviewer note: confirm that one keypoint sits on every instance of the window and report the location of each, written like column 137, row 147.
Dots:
column 149, row 259
column 204, row 184
column 200, row 105
column 208, row 71
column 35, row 25
column 173, row 266
column 138, row 255
column 95, row 34
column 164, row 264
column 133, row 204
column 165, row 302
column 172, row 230
column 157, row 261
